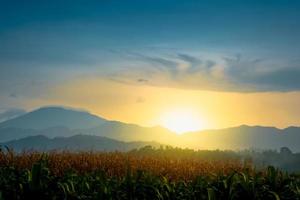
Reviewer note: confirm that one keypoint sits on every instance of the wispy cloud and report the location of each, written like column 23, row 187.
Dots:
column 160, row 63
column 237, row 73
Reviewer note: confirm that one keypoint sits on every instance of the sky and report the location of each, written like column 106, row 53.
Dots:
column 224, row 62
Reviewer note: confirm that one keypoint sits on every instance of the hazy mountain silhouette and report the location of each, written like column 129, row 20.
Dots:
column 7, row 134
column 61, row 122
column 10, row 114
column 132, row 132
column 245, row 137
column 48, row 117
column 74, row 143
column 57, row 121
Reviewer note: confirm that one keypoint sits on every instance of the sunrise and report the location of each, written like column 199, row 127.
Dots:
column 149, row 99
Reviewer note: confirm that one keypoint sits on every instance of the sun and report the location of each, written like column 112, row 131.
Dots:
column 182, row 120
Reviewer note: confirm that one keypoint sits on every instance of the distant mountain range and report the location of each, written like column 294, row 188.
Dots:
column 62, row 122
column 74, row 143
column 245, row 137
column 61, row 125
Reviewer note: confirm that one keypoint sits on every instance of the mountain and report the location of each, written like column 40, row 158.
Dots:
column 48, row 117
column 132, row 132
column 244, row 137
column 56, row 121
column 61, row 122
column 7, row 134
column 10, row 114
column 74, row 143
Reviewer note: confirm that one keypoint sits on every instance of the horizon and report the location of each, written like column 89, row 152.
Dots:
column 157, row 125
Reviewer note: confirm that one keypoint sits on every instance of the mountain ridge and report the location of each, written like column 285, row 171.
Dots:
column 240, row 137
column 74, row 143
column 51, row 116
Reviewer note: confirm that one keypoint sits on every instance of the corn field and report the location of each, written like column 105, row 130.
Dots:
column 175, row 174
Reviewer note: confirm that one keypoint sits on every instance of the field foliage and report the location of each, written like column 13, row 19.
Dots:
column 166, row 173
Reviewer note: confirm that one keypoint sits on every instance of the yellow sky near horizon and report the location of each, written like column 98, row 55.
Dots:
column 146, row 105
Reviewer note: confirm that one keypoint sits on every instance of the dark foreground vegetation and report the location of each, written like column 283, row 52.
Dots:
column 141, row 174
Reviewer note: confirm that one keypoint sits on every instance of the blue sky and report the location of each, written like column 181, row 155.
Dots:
column 230, row 46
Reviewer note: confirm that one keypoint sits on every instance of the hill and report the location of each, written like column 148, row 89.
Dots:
column 48, row 117
column 244, row 137
column 74, row 143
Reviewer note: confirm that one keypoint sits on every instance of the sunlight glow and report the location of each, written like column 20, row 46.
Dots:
column 181, row 121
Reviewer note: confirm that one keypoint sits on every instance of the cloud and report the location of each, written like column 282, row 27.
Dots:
column 159, row 63
column 141, row 80
column 261, row 75
column 287, row 79
column 13, row 95
column 237, row 73
column 193, row 62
